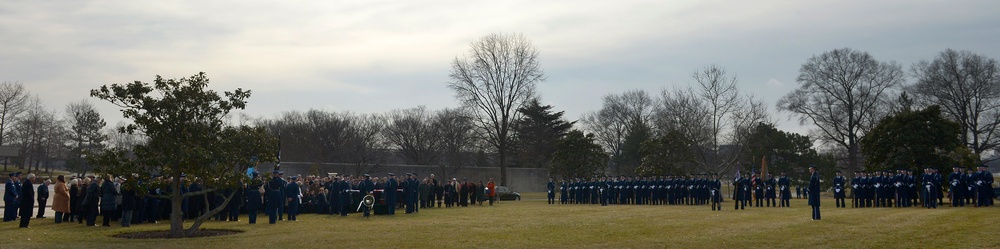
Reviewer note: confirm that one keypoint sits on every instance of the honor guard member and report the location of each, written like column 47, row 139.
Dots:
column 969, row 182
column 715, row 191
column 390, row 193
column 563, row 194
column 814, row 192
column 280, row 200
column 984, row 187
column 741, row 189
column 838, row 190
column 253, row 197
column 769, row 191
column 956, row 187
column 293, row 196
column 552, row 191
column 897, row 182
column 274, row 188
column 345, row 196
column 927, row 180
column 786, row 191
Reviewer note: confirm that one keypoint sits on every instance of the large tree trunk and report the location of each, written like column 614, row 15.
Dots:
column 176, row 214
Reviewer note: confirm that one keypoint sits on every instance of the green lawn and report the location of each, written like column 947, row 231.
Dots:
column 532, row 223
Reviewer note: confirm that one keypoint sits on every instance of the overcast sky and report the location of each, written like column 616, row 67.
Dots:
column 376, row 56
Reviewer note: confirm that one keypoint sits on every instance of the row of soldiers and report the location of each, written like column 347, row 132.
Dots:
column 903, row 188
column 634, row 190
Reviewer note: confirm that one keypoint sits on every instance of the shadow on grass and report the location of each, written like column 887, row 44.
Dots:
column 165, row 234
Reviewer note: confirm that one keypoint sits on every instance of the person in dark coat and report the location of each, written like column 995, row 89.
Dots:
column 10, row 198
column 26, row 196
column 463, row 193
column 253, row 198
column 74, row 200
column 390, row 193
column 43, row 197
column 814, row 192
column 108, row 204
column 293, row 195
column 274, row 189
column 91, row 201
column 128, row 202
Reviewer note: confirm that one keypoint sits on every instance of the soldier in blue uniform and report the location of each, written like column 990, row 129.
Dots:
column 984, row 187
column 10, row 197
column 741, row 189
column 390, row 193
column 856, row 190
column 786, row 190
column 281, row 200
column 293, row 196
column 274, row 188
column 769, row 191
column 715, row 192
column 927, row 186
column 956, row 187
column 814, row 192
column 253, row 197
column 838, row 190
column 552, row 191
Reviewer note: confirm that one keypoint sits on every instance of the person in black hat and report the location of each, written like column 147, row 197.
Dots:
column 839, row 193
column 984, row 187
column 10, row 198
column 814, row 192
column 786, row 191
column 956, row 187
column 715, row 191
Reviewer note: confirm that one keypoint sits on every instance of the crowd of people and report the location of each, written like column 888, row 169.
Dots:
column 83, row 199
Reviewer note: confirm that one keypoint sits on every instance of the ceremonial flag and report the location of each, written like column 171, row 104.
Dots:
column 277, row 165
column 763, row 166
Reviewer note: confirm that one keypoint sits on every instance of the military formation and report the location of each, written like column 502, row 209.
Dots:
column 903, row 188
column 638, row 190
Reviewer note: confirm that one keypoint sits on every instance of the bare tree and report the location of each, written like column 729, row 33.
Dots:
column 843, row 93
column 619, row 115
column 13, row 101
column 455, row 128
column 367, row 148
column 120, row 140
column 413, row 133
column 496, row 78
column 36, row 131
column 713, row 115
column 967, row 87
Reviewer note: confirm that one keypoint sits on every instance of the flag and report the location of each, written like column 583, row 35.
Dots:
column 763, row 166
column 277, row 165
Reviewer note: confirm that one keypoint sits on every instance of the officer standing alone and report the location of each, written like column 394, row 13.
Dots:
column 814, row 192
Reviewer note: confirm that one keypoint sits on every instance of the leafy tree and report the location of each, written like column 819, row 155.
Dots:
column 537, row 133
column 632, row 152
column 668, row 154
column 578, row 155
column 785, row 152
column 85, row 136
column 184, row 124
column 913, row 139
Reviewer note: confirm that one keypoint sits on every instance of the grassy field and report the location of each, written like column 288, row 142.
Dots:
column 531, row 223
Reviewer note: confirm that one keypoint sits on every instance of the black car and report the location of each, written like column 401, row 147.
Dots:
column 506, row 194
